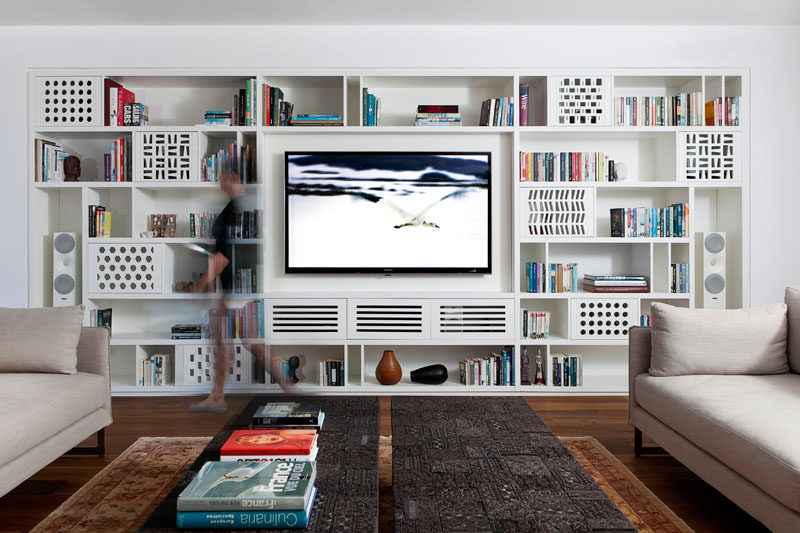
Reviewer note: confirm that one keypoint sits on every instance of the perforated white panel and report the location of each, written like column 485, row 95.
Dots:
column 711, row 156
column 484, row 319
column 199, row 361
column 306, row 319
column 69, row 101
column 603, row 318
column 557, row 212
column 388, row 319
column 120, row 268
column 580, row 100
column 166, row 156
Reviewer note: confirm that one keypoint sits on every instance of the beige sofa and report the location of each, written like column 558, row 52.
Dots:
column 45, row 415
column 740, row 433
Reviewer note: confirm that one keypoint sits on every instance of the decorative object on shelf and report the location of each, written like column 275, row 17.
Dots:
column 294, row 364
column 430, row 375
column 557, row 212
column 163, row 225
column 603, row 318
column 710, row 156
column 539, row 379
column 620, row 172
column 166, row 156
column 579, row 101
column 388, row 371
column 68, row 101
column 524, row 367
column 72, row 168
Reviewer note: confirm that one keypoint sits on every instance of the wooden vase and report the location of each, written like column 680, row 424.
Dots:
column 388, row 371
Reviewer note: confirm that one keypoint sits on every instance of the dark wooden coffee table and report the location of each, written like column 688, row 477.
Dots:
column 489, row 464
column 347, row 465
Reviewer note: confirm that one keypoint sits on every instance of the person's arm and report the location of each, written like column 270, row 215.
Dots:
column 216, row 264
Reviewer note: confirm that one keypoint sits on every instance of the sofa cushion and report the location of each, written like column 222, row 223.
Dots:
column 40, row 339
column 749, row 423
column 38, row 406
column 706, row 341
column 792, row 300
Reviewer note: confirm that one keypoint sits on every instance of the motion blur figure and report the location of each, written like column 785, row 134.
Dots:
column 219, row 267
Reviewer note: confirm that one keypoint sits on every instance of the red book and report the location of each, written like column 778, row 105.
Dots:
column 618, row 288
column 252, row 442
column 124, row 97
column 437, row 109
column 107, row 85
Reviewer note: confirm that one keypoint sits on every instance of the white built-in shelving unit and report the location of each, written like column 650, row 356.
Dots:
column 178, row 98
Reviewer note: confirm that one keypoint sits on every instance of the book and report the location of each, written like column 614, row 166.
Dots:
column 275, row 444
column 437, row 109
column 287, row 413
column 615, row 282
column 275, row 519
column 317, row 426
column 524, row 88
column 222, row 486
column 618, row 288
column 110, row 101
column 614, row 277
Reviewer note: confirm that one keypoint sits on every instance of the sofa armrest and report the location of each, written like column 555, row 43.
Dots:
column 93, row 355
column 638, row 360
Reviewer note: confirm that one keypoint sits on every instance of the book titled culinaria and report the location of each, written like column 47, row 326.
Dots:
column 292, row 519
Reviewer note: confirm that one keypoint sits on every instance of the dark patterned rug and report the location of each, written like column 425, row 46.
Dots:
column 464, row 464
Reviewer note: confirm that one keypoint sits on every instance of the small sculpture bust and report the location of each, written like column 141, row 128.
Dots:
column 539, row 379
column 524, row 364
column 72, row 168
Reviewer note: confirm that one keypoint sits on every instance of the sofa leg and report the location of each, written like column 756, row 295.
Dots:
column 100, row 449
column 638, row 449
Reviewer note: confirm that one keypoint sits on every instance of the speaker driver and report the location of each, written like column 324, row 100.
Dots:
column 714, row 283
column 64, row 243
column 714, row 243
column 63, row 284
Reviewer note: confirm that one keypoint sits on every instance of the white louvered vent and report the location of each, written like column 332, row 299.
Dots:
column 306, row 319
column 388, row 319
column 484, row 319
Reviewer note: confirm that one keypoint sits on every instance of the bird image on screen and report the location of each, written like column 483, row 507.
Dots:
column 388, row 211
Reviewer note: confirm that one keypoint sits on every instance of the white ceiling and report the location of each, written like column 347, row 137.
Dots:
column 397, row 12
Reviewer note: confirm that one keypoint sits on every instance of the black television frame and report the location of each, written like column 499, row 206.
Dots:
column 384, row 270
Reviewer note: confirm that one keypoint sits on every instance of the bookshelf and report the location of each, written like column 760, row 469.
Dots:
column 653, row 155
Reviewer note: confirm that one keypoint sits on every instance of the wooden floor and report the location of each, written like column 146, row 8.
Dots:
column 702, row 507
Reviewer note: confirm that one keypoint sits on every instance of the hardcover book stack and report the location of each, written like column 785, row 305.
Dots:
column 672, row 221
column 303, row 119
column 99, row 221
column 331, row 373
column 187, row 331
column 218, row 118
column 266, row 445
column 566, row 166
column 246, row 322
column 723, row 111
column 535, row 324
column 438, row 115
column 497, row 112
column 49, row 161
column 567, row 370
column 200, row 224
column 490, row 370
column 251, row 495
column 370, row 108
column 118, row 162
column 233, row 161
column 615, row 284
column 679, row 278
column 155, row 371
column 683, row 109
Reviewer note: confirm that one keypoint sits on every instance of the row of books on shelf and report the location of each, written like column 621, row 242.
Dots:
column 155, row 371
column 246, row 322
column 494, row 369
column 246, row 225
column 567, row 370
column 497, row 112
column 615, row 283
column 671, row 221
column 99, row 221
column 437, row 115
column 118, row 162
column 723, row 111
column 566, row 166
column 370, row 108
column 679, row 278
column 534, row 324
column 245, row 281
column 274, row 469
column 233, row 162
column 50, row 158
column 644, row 320
column 552, row 278
column 331, row 373
column 201, row 224
column 276, row 110
column 100, row 317
column 243, row 112
column 683, row 109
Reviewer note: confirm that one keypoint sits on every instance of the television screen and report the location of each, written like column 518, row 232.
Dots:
column 388, row 212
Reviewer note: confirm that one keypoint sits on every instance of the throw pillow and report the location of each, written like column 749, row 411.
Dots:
column 40, row 339
column 705, row 341
column 792, row 299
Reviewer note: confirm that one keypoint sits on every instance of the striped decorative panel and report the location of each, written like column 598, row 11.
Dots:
column 480, row 319
column 388, row 319
column 711, row 156
column 166, row 156
column 557, row 212
column 299, row 319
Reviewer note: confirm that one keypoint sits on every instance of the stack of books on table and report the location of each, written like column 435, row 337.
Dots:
column 317, row 120
column 187, row 331
column 438, row 115
column 249, row 495
column 268, row 445
column 606, row 284
column 288, row 415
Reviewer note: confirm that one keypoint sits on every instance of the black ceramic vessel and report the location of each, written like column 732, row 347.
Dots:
column 430, row 375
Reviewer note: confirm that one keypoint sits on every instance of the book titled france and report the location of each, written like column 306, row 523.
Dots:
column 297, row 519
column 251, row 486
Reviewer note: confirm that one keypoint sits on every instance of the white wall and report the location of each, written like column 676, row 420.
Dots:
column 768, row 51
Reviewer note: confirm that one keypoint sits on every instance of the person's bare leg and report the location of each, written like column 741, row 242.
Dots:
column 216, row 397
column 259, row 350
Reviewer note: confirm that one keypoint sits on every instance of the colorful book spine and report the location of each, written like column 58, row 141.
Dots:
column 276, row 519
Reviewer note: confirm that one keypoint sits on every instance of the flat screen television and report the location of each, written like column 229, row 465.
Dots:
column 388, row 212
